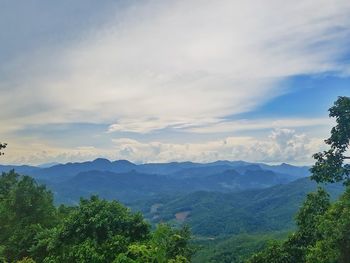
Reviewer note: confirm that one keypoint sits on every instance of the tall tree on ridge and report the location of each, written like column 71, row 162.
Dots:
column 330, row 166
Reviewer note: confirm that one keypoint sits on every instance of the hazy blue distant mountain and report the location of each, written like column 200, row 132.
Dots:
column 133, row 185
column 48, row 165
column 21, row 169
column 249, row 167
column 128, row 186
column 61, row 172
column 166, row 168
column 230, row 163
column 297, row 171
column 201, row 171
column 128, row 181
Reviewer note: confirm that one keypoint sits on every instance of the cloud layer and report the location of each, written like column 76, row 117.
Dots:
column 187, row 65
column 282, row 145
column 173, row 63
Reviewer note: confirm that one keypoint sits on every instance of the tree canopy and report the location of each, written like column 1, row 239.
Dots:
column 323, row 229
column 333, row 244
column 25, row 209
column 330, row 166
column 32, row 229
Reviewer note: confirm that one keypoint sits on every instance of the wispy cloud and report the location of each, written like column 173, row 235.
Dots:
column 215, row 125
column 185, row 65
column 163, row 63
column 259, row 124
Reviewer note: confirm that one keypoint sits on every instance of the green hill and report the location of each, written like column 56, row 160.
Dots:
column 213, row 214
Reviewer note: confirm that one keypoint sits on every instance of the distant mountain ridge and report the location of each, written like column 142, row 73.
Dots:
column 121, row 166
column 127, row 182
column 133, row 185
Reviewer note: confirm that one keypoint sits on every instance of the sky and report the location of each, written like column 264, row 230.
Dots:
column 161, row 80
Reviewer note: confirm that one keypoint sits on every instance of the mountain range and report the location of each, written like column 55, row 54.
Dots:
column 219, row 200
column 129, row 182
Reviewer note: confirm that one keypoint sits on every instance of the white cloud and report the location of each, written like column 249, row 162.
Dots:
column 282, row 145
column 39, row 153
column 175, row 63
column 184, row 64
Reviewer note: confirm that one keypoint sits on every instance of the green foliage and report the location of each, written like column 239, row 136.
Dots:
column 94, row 232
column 294, row 249
column 275, row 253
column 235, row 249
column 26, row 260
column 25, row 208
column 308, row 217
column 329, row 166
column 32, row 228
column 2, row 255
column 173, row 242
column 334, row 229
column 323, row 234
column 166, row 245
column 254, row 211
column 340, row 134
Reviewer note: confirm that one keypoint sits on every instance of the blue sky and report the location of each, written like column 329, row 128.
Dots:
column 307, row 96
column 157, row 81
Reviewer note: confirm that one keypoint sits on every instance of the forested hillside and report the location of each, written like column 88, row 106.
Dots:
column 213, row 214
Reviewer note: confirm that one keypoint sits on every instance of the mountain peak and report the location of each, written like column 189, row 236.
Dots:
column 286, row 165
column 101, row 161
column 123, row 162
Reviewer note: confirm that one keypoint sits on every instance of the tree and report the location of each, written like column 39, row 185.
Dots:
column 32, row 228
column 25, row 209
column 96, row 231
column 166, row 245
column 333, row 244
column 173, row 242
column 334, row 227
column 329, row 166
column 309, row 215
column 296, row 247
column 2, row 146
column 106, row 231
column 323, row 233
column 274, row 253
